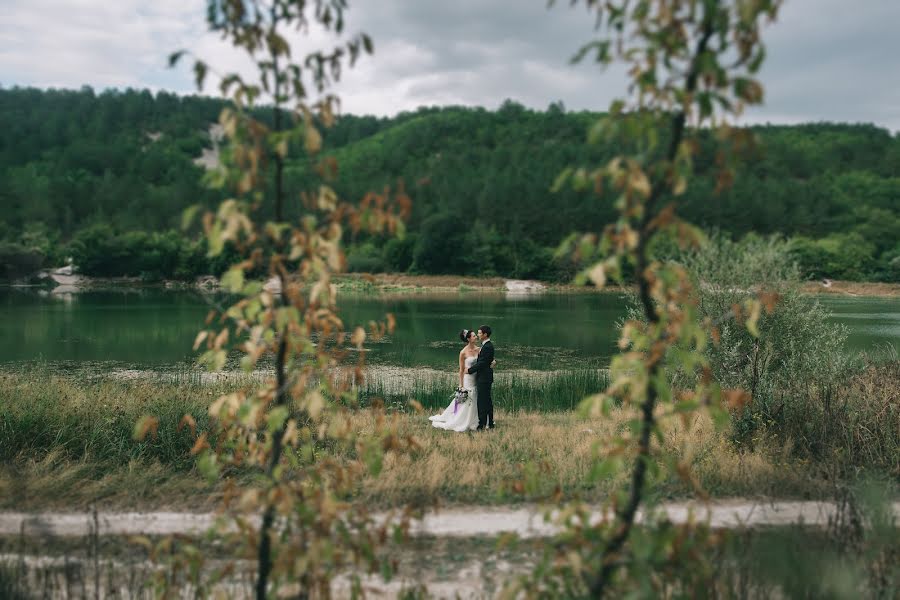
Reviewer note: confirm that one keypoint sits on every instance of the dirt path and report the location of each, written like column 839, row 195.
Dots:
column 452, row 522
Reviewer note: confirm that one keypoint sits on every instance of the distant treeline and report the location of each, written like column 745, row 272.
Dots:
column 103, row 178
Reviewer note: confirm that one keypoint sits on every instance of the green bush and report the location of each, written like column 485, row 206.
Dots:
column 805, row 389
column 838, row 256
column 889, row 265
column 532, row 261
column 439, row 247
column 365, row 258
column 485, row 252
column 17, row 261
column 398, row 253
column 100, row 251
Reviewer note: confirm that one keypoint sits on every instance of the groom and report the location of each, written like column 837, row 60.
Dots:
column 484, row 378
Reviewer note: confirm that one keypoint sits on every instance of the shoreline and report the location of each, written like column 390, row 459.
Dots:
column 433, row 284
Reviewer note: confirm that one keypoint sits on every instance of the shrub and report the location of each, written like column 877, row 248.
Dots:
column 839, row 255
column 365, row 258
column 398, row 253
column 438, row 249
column 100, row 251
column 805, row 388
column 17, row 261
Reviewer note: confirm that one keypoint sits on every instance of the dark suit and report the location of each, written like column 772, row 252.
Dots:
column 484, row 379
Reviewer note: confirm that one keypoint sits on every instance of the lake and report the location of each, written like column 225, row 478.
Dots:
column 154, row 328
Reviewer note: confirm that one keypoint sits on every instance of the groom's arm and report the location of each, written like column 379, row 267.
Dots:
column 485, row 357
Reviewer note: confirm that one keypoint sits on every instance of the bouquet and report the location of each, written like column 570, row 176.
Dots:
column 460, row 397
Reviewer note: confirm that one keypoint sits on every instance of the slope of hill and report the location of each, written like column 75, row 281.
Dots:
column 85, row 171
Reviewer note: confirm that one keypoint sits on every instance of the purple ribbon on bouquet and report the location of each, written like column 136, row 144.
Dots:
column 459, row 392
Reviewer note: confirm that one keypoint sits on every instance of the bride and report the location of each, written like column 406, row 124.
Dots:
column 462, row 416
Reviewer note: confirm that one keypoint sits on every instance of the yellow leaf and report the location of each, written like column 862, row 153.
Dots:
column 639, row 183
column 314, row 404
column 188, row 420
column 199, row 339
column 680, row 185
column 221, row 339
column 358, row 337
column 281, row 148
column 597, row 275
column 327, row 199
column 290, row 434
column 145, row 425
column 313, row 140
column 200, row 445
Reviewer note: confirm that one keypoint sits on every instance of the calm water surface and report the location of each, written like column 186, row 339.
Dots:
column 155, row 328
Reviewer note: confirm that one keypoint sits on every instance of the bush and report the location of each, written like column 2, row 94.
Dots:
column 17, row 261
column 839, row 256
column 889, row 265
column 485, row 252
column 398, row 253
column 99, row 251
column 439, row 247
column 804, row 385
column 365, row 258
column 531, row 261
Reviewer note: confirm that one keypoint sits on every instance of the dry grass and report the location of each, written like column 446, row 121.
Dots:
column 67, row 444
column 530, row 456
column 55, row 483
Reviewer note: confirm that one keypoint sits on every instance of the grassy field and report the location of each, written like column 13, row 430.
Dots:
column 66, row 442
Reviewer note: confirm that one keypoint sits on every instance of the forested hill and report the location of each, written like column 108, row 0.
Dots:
column 103, row 177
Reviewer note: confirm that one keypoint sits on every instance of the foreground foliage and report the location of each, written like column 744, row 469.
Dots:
column 691, row 64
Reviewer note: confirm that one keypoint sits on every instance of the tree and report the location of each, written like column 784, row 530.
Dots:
column 691, row 64
column 279, row 430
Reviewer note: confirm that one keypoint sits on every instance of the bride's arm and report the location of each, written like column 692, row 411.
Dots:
column 462, row 368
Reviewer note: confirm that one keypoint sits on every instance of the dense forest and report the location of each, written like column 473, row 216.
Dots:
column 103, row 178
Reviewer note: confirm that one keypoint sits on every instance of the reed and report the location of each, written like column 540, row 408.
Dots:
column 530, row 391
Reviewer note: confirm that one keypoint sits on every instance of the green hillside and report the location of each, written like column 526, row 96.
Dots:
column 104, row 177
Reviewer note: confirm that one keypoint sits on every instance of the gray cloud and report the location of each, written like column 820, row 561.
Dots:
column 829, row 59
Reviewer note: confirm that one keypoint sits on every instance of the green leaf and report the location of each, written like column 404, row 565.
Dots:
column 605, row 469
column 208, row 465
column 233, row 280
column 188, row 215
column 277, row 417
column 367, row 43
column 374, row 459
column 561, row 179
column 175, row 57
column 199, row 73
column 215, row 240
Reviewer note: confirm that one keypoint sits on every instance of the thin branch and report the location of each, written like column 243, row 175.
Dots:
column 627, row 514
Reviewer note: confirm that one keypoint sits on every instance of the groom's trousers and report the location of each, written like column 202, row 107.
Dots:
column 485, row 404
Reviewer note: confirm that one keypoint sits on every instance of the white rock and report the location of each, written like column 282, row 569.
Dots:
column 521, row 286
column 273, row 285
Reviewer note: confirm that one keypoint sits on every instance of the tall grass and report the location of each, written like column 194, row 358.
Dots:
column 66, row 440
column 525, row 391
column 42, row 413
column 93, row 416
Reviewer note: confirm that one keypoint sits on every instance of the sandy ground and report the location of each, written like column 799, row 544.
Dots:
column 466, row 521
column 853, row 288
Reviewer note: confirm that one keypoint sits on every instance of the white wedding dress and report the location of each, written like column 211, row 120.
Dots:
column 465, row 416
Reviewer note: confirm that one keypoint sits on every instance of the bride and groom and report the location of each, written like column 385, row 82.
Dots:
column 472, row 406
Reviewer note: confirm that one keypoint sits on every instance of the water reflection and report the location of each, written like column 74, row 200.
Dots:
column 543, row 332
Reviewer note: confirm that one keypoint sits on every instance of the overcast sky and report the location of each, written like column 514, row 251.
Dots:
column 833, row 60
